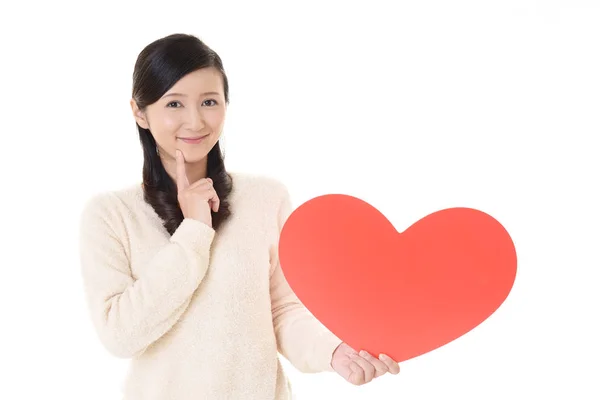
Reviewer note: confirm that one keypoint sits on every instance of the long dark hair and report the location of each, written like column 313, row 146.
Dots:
column 158, row 67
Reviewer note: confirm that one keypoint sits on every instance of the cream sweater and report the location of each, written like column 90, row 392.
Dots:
column 201, row 314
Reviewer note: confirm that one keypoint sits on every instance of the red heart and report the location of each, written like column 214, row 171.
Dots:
column 402, row 294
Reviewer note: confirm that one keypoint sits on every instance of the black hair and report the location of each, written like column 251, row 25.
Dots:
column 158, row 67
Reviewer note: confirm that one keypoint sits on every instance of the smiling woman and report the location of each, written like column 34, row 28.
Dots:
column 182, row 273
column 179, row 101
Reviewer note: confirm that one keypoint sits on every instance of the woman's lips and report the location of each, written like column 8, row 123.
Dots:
column 193, row 139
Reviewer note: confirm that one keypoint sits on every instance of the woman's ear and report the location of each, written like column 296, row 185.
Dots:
column 139, row 116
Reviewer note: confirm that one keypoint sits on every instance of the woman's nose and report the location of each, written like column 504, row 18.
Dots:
column 196, row 120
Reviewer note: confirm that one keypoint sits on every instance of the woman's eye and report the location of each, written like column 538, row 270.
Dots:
column 215, row 103
column 173, row 104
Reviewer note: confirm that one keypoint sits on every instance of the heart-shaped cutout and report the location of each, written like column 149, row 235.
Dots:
column 402, row 294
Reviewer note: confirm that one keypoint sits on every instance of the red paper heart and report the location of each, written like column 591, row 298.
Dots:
column 402, row 294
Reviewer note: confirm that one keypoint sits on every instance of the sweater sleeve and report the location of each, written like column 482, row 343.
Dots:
column 301, row 338
column 130, row 314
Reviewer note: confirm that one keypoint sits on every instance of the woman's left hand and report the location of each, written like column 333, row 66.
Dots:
column 359, row 368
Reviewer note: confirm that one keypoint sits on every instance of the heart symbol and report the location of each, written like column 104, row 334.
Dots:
column 402, row 294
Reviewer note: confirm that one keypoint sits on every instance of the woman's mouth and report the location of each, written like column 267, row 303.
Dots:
column 193, row 139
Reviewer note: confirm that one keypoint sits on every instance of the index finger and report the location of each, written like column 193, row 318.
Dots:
column 379, row 365
column 181, row 177
column 392, row 365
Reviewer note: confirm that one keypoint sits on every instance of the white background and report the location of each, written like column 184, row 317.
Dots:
column 413, row 107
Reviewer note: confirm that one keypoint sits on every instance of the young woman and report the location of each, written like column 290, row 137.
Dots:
column 181, row 272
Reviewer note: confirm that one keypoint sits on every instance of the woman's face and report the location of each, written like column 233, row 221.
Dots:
column 189, row 117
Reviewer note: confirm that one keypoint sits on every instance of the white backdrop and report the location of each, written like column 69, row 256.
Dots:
column 412, row 107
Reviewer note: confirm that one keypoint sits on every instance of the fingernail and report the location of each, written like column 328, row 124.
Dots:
column 363, row 353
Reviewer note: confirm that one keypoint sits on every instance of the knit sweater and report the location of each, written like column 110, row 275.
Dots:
column 201, row 314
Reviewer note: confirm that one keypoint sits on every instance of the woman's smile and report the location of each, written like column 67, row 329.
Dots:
column 193, row 139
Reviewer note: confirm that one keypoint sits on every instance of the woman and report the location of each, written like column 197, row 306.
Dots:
column 181, row 273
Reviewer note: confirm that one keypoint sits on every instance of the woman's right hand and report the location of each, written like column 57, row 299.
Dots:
column 197, row 199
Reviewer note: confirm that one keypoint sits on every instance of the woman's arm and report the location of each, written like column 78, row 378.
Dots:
column 129, row 315
column 301, row 338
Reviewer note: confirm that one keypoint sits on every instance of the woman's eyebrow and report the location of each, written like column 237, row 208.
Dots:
column 184, row 95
